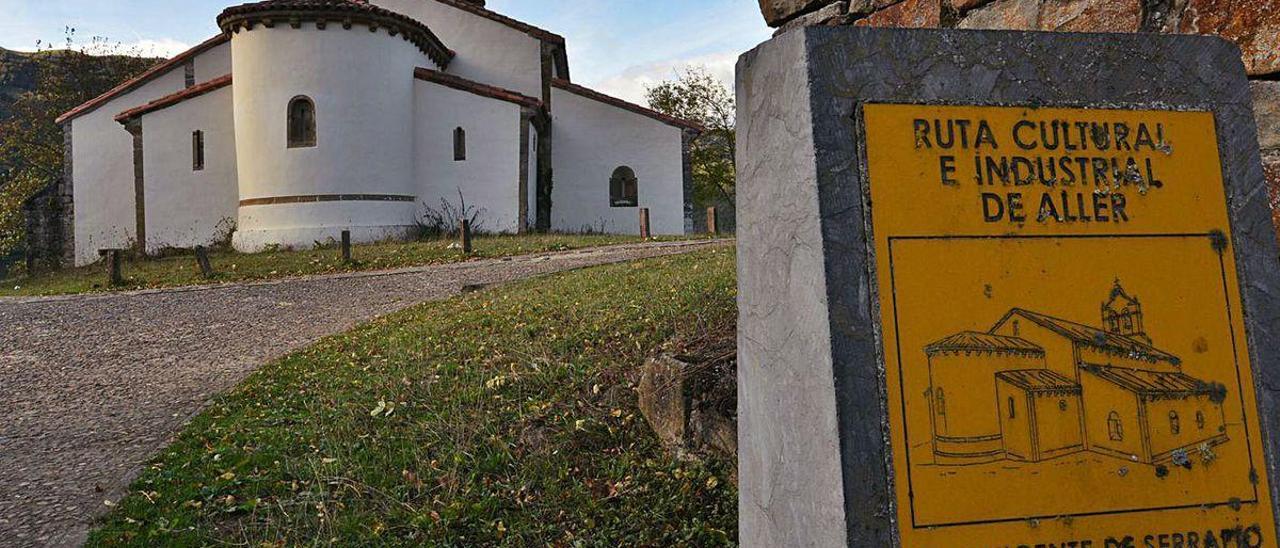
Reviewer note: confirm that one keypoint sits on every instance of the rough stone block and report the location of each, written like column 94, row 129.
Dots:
column 1254, row 25
column 777, row 12
column 663, row 400
column 1266, row 110
column 907, row 14
column 1091, row 16
column 1271, row 168
column 1004, row 14
column 819, row 455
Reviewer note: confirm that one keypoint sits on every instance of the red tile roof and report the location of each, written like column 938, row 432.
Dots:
column 973, row 341
column 1152, row 383
column 1092, row 336
column 494, row 16
column 141, row 79
column 173, row 99
column 294, row 12
column 1039, row 380
column 625, row 105
column 485, row 90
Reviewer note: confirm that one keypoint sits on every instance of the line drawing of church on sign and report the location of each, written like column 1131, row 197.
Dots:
column 305, row 118
column 1035, row 387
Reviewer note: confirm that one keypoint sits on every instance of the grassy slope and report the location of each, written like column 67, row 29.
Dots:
column 500, row 418
column 238, row 267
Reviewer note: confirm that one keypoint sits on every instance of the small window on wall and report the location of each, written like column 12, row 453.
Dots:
column 1013, row 409
column 197, row 150
column 624, row 188
column 1200, row 420
column 1115, row 430
column 1175, row 425
column 459, row 145
column 302, row 122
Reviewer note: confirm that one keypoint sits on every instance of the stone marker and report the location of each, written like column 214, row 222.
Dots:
column 346, row 246
column 466, row 236
column 202, row 260
column 645, row 231
column 1004, row 289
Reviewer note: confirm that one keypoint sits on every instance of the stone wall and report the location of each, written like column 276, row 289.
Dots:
column 1254, row 25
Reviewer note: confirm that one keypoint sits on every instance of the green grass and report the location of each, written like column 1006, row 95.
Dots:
column 500, row 418
column 239, row 267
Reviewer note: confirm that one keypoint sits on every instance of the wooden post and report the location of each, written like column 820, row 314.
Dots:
column 712, row 226
column 113, row 258
column 346, row 246
column 645, row 233
column 202, row 259
column 466, row 236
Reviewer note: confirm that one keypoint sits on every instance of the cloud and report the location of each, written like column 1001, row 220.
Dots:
column 631, row 82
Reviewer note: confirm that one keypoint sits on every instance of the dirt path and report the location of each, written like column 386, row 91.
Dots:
column 91, row 386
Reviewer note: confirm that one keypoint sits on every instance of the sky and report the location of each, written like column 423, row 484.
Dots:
column 616, row 46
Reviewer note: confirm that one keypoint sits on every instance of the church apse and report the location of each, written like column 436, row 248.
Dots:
column 1035, row 387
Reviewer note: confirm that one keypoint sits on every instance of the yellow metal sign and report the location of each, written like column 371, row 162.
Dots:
column 1065, row 353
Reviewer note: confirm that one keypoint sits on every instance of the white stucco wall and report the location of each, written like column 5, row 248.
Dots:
column 184, row 207
column 102, row 159
column 487, row 51
column 490, row 176
column 592, row 139
column 362, row 85
column 213, row 63
column 102, row 171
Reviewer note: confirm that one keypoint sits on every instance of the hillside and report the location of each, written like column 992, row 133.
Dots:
column 17, row 75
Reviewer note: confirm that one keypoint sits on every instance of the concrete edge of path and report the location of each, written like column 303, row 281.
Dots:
column 468, row 263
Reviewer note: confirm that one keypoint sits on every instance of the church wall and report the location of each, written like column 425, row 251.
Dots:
column 489, row 178
column 1163, row 438
column 966, row 406
column 362, row 85
column 102, row 168
column 592, row 139
column 102, row 159
column 1059, row 351
column 185, row 207
column 214, row 63
column 1101, row 398
column 487, row 51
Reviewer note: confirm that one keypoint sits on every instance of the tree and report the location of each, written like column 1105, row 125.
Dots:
column 30, row 142
column 696, row 95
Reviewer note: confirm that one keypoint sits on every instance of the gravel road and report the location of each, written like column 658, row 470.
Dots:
column 91, row 386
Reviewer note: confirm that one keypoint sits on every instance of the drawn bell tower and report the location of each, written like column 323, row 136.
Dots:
column 1122, row 315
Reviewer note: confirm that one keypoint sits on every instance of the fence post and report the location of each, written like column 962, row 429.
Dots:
column 466, row 236
column 202, row 259
column 113, row 257
column 645, row 232
column 346, row 246
column 713, row 226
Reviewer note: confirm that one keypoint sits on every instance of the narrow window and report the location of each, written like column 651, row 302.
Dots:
column 1200, row 420
column 302, row 122
column 459, row 145
column 197, row 150
column 1013, row 410
column 942, row 402
column 624, row 188
column 1114, row 428
column 1175, row 425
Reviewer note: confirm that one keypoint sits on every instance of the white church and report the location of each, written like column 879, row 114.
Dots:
column 304, row 118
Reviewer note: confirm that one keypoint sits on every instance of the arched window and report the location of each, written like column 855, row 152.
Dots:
column 1013, row 409
column 1200, row 420
column 459, row 145
column 624, row 188
column 1175, row 425
column 1114, row 428
column 302, row 122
